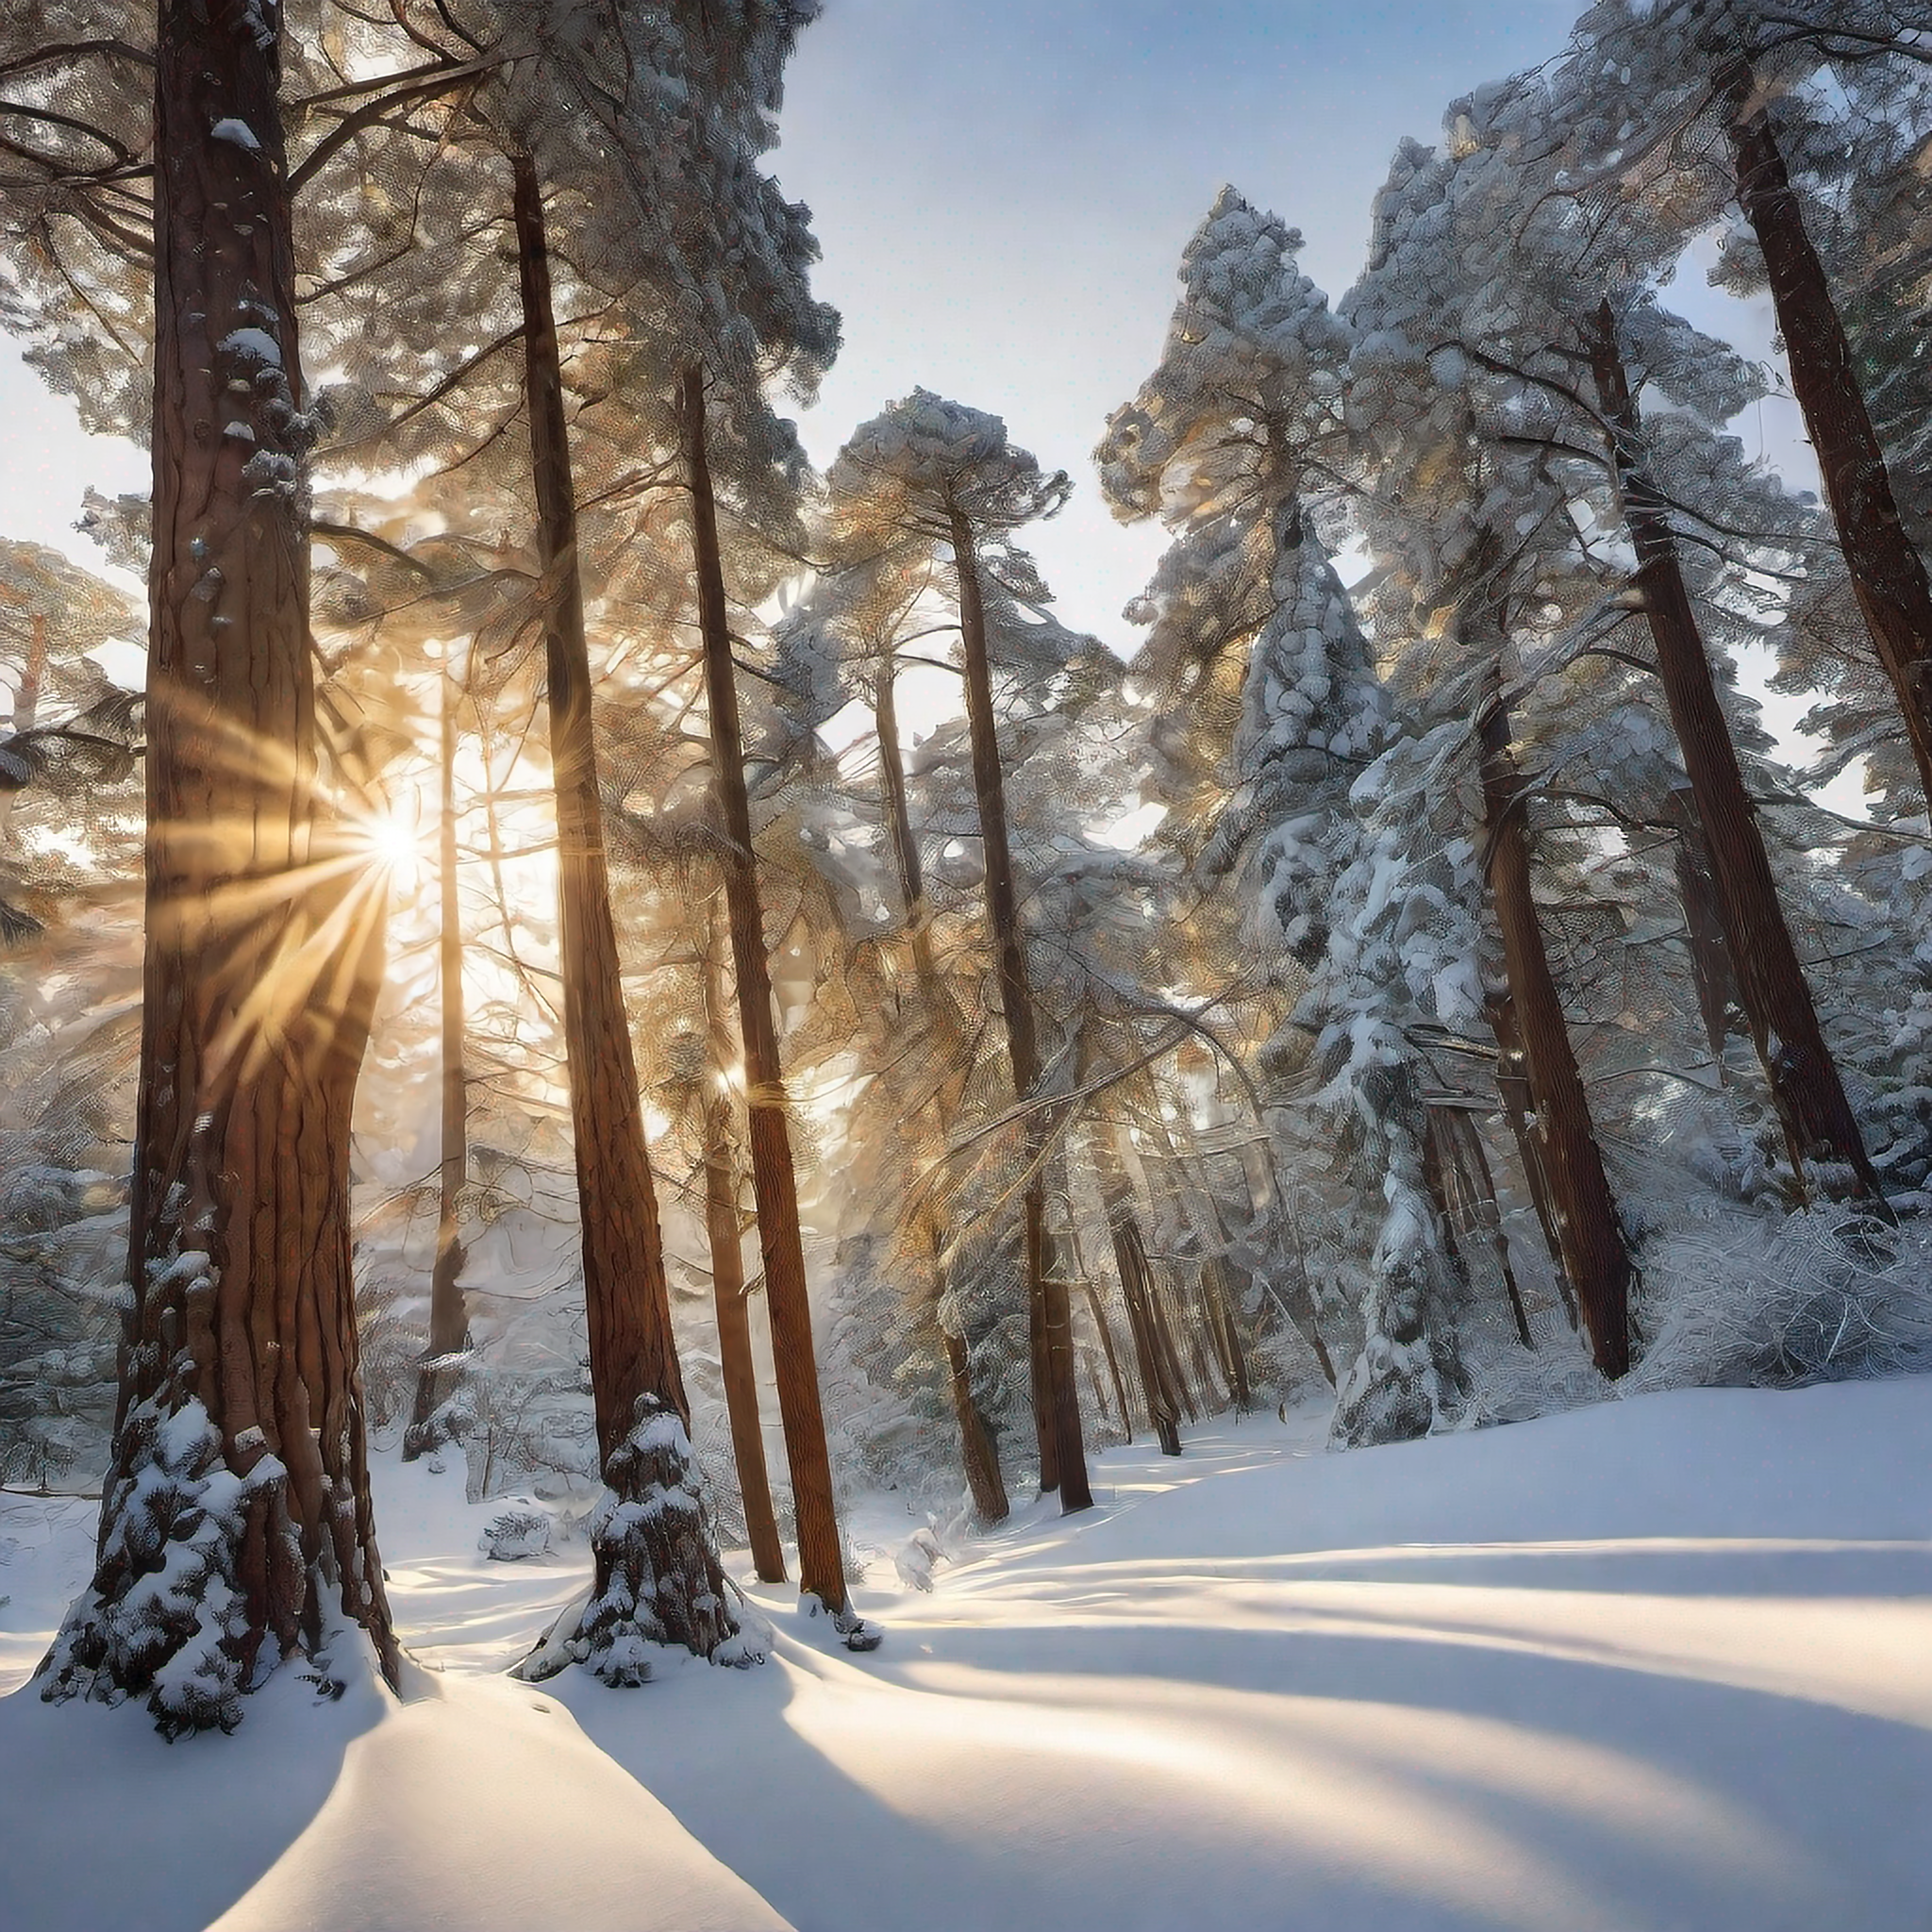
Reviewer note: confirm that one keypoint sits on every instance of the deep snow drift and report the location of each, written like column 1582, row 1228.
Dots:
column 1660, row 1664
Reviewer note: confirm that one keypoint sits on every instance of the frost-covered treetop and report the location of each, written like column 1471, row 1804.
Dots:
column 1249, row 365
column 1641, row 97
column 658, row 115
column 922, row 457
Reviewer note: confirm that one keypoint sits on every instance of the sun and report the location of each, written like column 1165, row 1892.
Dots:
column 393, row 842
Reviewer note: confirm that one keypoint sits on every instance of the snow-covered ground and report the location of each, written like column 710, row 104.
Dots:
column 1661, row 1663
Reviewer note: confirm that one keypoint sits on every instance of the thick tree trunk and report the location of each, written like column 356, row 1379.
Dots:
column 979, row 1455
column 726, row 1234
column 1818, row 1119
column 820, row 1556
column 449, row 1322
column 1057, row 1409
column 656, row 1577
column 1594, row 1254
column 1887, row 575
column 240, row 1472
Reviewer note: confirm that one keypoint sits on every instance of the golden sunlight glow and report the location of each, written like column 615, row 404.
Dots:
column 394, row 839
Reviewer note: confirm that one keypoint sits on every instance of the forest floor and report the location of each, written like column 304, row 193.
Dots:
column 1660, row 1664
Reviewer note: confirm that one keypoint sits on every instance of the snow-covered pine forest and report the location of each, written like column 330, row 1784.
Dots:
column 705, row 1224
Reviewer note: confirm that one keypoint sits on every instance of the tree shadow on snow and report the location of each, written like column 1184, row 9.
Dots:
column 104, row 1824
column 1603, row 1739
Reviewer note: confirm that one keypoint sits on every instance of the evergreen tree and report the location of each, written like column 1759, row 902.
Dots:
column 236, row 1524
column 947, row 475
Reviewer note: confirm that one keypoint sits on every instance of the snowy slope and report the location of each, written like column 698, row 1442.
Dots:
column 1660, row 1664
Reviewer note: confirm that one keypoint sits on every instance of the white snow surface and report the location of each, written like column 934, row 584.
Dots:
column 1666, row 1662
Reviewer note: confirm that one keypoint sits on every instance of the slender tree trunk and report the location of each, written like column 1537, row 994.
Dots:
column 1097, row 1310
column 1594, row 1254
column 1704, row 927
column 1217, row 1281
column 1887, row 575
column 978, row 1453
column 1157, row 1374
column 820, row 1556
column 1215, row 1390
column 1040, row 1388
column 1052, row 1328
column 1818, row 1119
column 1470, row 1164
column 1442, row 1195
column 657, row 1576
column 449, row 1322
column 1202, row 1211
column 239, row 1466
column 1137, row 1285
column 1519, row 1110
column 940, row 1014
column 1284, row 1209
column 1169, row 1354
column 725, row 1233
column 626, row 1289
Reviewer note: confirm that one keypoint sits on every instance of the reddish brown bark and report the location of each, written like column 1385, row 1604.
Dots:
column 1818, row 1119
column 724, row 1232
column 1203, row 1352
column 264, row 936
column 449, row 1323
column 1703, row 927
column 1057, row 1401
column 1097, row 1310
column 1887, row 575
column 1519, row 1110
column 940, row 1011
column 626, row 1295
column 1165, row 1351
column 979, row 1455
column 1217, row 1295
column 1137, row 1289
column 1591, row 1237
column 1220, row 1291
column 1107, row 1157
column 821, row 1560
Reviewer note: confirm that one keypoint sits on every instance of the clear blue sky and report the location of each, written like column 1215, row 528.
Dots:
column 1003, row 191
